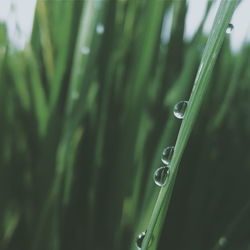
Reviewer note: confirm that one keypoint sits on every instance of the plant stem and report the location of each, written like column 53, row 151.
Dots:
column 211, row 51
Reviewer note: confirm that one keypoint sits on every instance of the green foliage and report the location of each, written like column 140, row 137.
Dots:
column 82, row 133
column 201, row 81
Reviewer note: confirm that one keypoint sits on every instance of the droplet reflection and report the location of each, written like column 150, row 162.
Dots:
column 179, row 109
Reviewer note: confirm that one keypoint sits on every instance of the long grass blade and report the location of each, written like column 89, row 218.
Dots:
column 211, row 51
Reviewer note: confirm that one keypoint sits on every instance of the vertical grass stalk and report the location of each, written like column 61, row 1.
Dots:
column 210, row 54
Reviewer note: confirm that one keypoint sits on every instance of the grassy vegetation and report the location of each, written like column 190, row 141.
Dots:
column 85, row 116
column 200, row 86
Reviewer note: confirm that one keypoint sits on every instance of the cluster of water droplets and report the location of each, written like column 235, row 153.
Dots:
column 161, row 174
column 85, row 50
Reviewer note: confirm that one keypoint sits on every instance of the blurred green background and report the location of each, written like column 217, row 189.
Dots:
column 86, row 110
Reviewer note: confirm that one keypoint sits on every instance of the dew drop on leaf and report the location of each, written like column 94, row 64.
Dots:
column 167, row 155
column 100, row 29
column 161, row 175
column 179, row 109
column 230, row 28
column 139, row 240
column 85, row 50
column 222, row 241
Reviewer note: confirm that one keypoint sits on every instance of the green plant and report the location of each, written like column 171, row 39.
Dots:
column 210, row 53
column 82, row 130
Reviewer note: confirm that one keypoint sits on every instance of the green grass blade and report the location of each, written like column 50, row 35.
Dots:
column 47, row 48
column 90, row 16
column 37, row 91
column 211, row 51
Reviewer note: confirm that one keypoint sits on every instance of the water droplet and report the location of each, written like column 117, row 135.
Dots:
column 167, row 155
column 230, row 28
column 100, row 29
column 85, row 50
column 222, row 241
column 161, row 175
column 179, row 109
column 139, row 240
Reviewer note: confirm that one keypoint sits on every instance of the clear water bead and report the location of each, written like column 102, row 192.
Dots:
column 179, row 109
column 230, row 28
column 85, row 50
column 160, row 176
column 140, row 239
column 100, row 29
column 222, row 241
column 167, row 155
